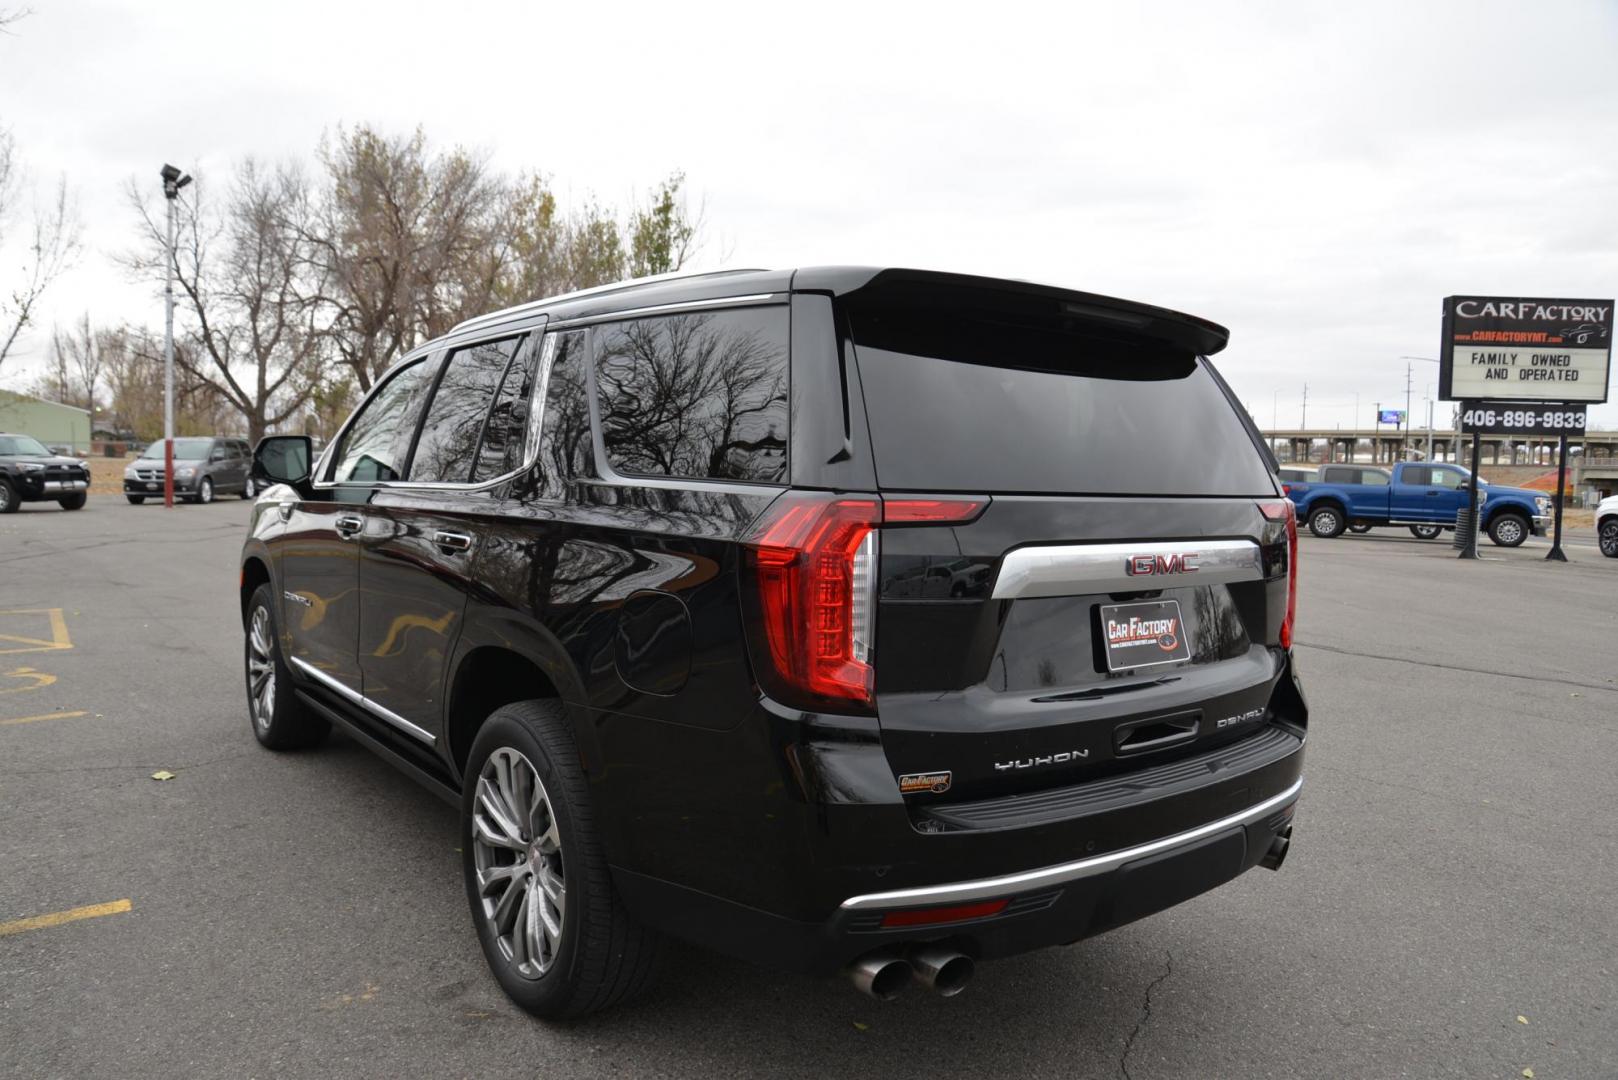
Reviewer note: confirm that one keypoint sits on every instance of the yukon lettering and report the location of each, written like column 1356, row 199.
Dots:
column 1036, row 762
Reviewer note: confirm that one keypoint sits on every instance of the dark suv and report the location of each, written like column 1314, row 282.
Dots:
column 30, row 472
column 835, row 618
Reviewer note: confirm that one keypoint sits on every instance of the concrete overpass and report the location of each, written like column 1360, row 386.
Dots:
column 1386, row 446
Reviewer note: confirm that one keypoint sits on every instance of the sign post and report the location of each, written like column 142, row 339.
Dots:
column 1524, row 365
column 1556, row 554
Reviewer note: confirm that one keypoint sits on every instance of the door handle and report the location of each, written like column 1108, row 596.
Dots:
column 452, row 543
column 1432, row 494
column 348, row 525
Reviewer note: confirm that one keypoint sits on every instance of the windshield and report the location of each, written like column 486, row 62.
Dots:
column 22, row 446
column 184, row 449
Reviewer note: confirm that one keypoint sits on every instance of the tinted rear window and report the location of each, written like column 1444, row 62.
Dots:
column 972, row 394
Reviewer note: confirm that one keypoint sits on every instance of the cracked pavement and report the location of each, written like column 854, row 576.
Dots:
column 1453, row 868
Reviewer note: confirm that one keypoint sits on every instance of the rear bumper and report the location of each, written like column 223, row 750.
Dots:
column 1052, row 905
column 805, row 877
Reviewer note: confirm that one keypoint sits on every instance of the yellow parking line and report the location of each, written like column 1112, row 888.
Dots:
column 42, row 716
column 57, row 918
column 20, row 643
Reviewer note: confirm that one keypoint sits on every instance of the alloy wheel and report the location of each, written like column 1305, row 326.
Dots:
column 1609, row 539
column 205, row 491
column 1508, row 531
column 248, row 489
column 261, row 669
column 517, row 852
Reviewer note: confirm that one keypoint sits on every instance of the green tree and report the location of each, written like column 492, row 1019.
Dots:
column 662, row 233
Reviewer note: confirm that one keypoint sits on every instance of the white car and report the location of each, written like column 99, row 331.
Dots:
column 1607, row 527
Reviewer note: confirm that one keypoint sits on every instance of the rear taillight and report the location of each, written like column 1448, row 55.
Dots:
column 1284, row 510
column 812, row 561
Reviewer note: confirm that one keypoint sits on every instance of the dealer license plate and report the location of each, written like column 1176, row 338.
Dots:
column 1143, row 634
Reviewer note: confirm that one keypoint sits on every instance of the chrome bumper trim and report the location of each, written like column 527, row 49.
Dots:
column 988, row 888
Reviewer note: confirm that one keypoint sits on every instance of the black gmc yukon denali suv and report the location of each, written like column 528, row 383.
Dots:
column 838, row 618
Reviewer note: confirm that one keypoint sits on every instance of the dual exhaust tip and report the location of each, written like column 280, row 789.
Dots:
column 883, row 974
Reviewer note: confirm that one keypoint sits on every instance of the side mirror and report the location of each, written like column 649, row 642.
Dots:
column 284, row 459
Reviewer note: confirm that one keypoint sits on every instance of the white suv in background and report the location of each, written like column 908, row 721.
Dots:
column 1607, row 527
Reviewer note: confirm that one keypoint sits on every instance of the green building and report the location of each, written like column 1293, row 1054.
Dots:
column 51, row 422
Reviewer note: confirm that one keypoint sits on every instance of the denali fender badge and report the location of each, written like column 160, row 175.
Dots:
column 1181, row 562
column 1048, row 759
column 917, row 782
column 298, row 598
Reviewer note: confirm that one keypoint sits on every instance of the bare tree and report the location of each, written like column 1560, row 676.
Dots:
column 52, row 245
column 77, row 359
column 402, row 238
column 242, row 275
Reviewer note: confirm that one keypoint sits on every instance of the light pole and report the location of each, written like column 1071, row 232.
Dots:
column 173, row 181
column 1426, row 360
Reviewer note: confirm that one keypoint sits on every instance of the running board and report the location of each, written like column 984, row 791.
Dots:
column 439, row 785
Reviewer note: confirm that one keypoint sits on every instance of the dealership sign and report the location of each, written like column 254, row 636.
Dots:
column 1512, row 348
column 1390, row 416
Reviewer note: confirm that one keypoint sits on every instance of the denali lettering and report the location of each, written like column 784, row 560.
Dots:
column 1178, row 563
column 1035, row 762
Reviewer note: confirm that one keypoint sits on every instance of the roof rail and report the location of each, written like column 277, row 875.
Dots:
column 597, row 290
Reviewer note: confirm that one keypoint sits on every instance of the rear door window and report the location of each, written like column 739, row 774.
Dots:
column 455, row 419
column 971, row 392
column 1374, row 477
column 1419, row 475
column 700, row 395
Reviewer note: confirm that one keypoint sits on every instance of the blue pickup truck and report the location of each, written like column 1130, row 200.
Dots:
column 1424, row 497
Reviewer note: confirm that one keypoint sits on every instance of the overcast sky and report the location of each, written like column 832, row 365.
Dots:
column 1317, row 177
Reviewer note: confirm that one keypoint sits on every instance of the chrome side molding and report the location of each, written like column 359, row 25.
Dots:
column 386, row 715
column 1079, row 569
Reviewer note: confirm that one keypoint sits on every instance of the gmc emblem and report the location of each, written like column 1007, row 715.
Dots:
column 1146, row 565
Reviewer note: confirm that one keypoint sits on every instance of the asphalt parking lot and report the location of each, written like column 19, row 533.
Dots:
column 1453, row 872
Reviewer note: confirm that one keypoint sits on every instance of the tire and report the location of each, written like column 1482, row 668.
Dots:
column 1607, row 537
column 249, row 488
column 1426, row 532
column 1508, row 529
column 523, row 775
column 1359, row 527
column 279, row 720
column 204, row 493
column 8, row 499
column 75, row 501
column 1327, row 522
column 135, row 500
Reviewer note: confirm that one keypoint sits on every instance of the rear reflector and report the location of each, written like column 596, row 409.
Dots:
column 934, row 916
column 931, row 511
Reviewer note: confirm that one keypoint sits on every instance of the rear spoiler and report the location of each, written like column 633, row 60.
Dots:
column 1161, row 324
